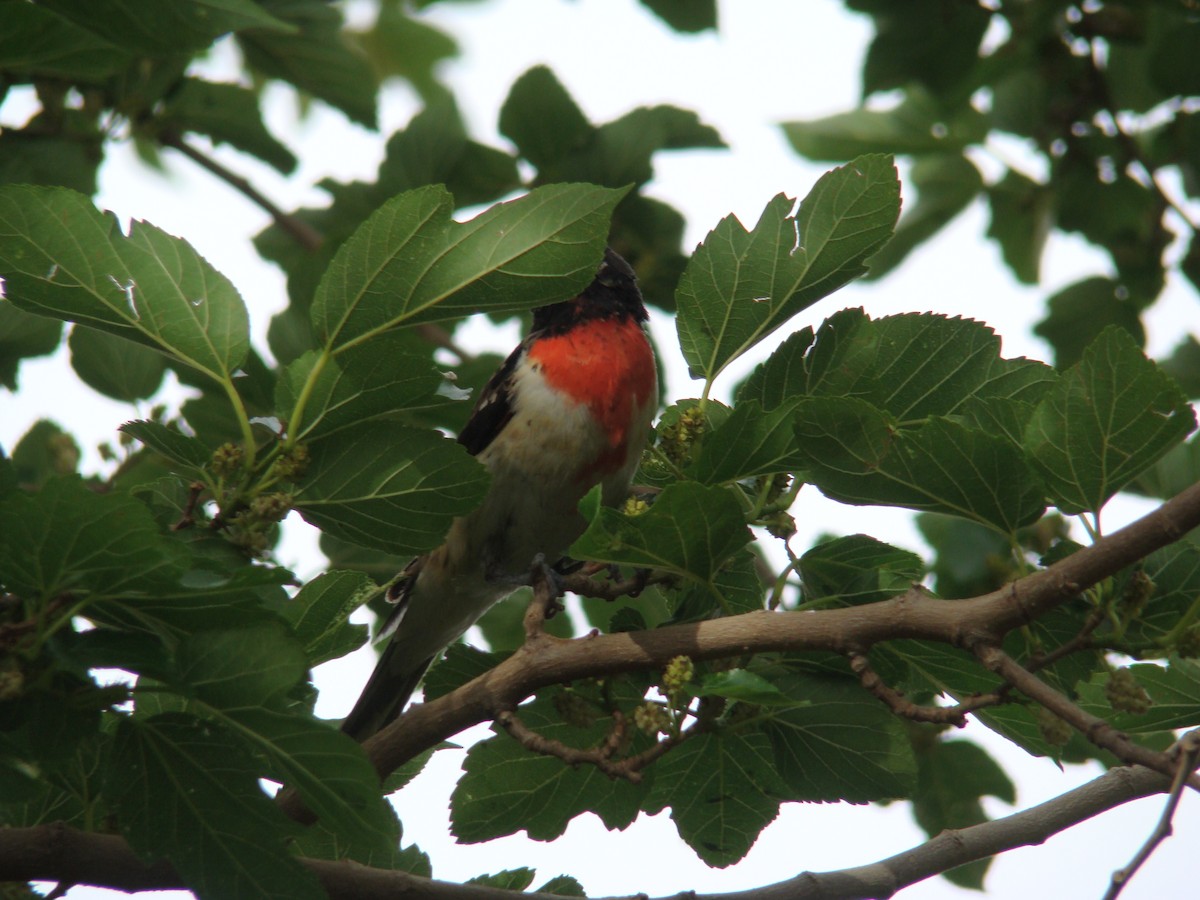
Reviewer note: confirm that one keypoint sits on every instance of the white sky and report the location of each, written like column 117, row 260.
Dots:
column 770, row 62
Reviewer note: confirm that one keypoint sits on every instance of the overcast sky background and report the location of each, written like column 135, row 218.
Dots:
column 769, row 62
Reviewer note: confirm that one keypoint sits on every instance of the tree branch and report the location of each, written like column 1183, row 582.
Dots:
column 1095, row 729
column 57, row 852
column 303, row 233
column 963, row 623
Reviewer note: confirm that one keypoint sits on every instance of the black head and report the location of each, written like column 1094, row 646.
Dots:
column 613, row 293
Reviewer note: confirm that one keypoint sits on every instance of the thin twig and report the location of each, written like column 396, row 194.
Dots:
column 1095, row 729
column 305, row 235
column 1189, row 751
column 601, row 757
column 899, row 704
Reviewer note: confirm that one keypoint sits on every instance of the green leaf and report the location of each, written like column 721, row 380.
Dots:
column 540, row 117
column 316, row 56
column 740, row 684
column 913, row 366
column 837, row 743
column 40, row 42
column 170, row 442
column 319, row 614
column 43, row 452
column 917, row 125
column 68, row 538
column 858, row 454
column 226, row 113
column 155, row 29
column 1174, row 690
column 328, row 768
column 723, row 790
column 970, row 559
column 23, row 336
column 505, row 787
column 1022, row 217
column 63, row 258
column 114, row 368
column 1183, row 364
column 370, row 381
column 411, row 263
column 688, row 16
column 508, row 879
column 946, row 184
column 934, row 42
column 740, row 286
column 1179, row 468
column 63, row 148
column 184, row 790
column 1079, row 312
column 1111, row 416
column 564, row 886
column 749, row 443
column 952, row 777
column 857, row 569
column 690, row 531
column 248, row 666
column 400, row 45
column 388, row 486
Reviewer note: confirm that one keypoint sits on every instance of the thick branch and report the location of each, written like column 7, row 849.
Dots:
column 61, row 853
column 963, row 623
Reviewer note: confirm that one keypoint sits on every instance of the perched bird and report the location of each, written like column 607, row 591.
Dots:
column 570, row 408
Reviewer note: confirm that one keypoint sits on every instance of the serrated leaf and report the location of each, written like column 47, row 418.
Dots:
column 226, row 113
column 68, row 538
column 507, row 879
column 912, row 365
column 857, row 569
column 946, row 184
column 741, row 285
column 63, row 258
column 690, row 531
column 505, row 787
column 388, row 486
column 722, row 789
column 749, row 443
column 564, row 886
column 170, row 442
column 319, row 614
column 1111, row 415
column 836, row 742
column 409, row 262
column 859, row 455
column 186, row 791
column 370, row 381
column 114, row 368
column 328, row 768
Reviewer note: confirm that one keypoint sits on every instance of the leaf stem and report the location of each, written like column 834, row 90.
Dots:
column 296, row 419
column 239, row 409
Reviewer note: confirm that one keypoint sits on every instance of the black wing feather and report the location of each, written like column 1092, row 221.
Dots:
column 494, row 408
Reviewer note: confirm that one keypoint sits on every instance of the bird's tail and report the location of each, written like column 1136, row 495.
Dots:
column 387, row 691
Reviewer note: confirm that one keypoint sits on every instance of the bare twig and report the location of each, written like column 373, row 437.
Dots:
column 188, row 518
column 899, row 704
column 1096, row 730
column 303, row 233
column 601, row 757
column 1188, row 750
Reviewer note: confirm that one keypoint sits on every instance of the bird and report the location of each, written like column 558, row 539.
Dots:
column 570, row 408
